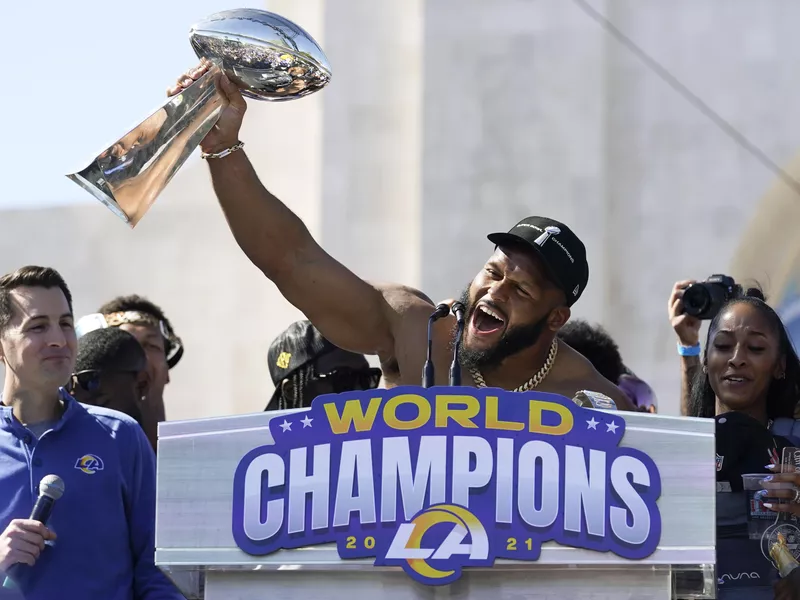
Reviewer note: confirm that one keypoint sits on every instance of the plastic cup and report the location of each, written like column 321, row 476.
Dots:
column 758, row 517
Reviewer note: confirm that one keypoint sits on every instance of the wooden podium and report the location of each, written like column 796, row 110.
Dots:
column 200, row 463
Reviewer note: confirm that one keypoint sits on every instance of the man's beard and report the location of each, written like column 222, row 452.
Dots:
column 514, row 340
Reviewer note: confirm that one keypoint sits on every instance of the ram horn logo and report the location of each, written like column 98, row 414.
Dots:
column 407, row 547
column 89, row 464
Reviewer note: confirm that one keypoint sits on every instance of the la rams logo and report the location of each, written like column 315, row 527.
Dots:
column 407, row 549
column 89, row 464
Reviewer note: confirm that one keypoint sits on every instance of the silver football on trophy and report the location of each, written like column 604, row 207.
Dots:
column 267, row 56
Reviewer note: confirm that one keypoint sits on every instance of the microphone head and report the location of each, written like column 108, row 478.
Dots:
column 51, row 486
column 458, row 310
column 442, row 310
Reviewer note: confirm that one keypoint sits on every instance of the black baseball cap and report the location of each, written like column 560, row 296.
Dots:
column 561, row 251
column 300, row 344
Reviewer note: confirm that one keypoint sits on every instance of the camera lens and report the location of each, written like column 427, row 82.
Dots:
column 704, row 300
column 696, row 300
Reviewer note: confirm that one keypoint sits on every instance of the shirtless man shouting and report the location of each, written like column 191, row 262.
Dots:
column 515, row 304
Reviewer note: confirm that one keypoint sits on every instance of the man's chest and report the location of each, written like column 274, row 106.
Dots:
column 89, row 470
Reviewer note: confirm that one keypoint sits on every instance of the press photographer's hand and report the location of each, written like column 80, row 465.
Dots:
column 226, row 131
column 22, row 542
column 687, row 328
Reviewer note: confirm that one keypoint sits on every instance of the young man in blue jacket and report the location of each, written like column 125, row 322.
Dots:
column 99, row 540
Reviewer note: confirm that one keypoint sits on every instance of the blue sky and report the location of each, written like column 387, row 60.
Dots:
column 78, row 76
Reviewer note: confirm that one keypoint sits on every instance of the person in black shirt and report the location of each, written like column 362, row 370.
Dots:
column 750, row 375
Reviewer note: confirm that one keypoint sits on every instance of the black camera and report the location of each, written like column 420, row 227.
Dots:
column 704, row 300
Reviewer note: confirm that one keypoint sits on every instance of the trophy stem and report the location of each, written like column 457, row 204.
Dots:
column 129, row 175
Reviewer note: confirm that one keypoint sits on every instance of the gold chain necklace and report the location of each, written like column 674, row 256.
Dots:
column 533, row 381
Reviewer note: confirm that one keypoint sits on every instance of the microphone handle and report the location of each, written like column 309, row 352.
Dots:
column 455, row 367
column 427, row 374
column 41, row 512
column 455, row 374
column 428, row 377
column 42, row 509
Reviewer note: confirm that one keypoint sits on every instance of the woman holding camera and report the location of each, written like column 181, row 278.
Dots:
column 748, row 376
column 749, row 364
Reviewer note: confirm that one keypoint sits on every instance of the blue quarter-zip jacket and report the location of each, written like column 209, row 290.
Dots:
column 105, row 521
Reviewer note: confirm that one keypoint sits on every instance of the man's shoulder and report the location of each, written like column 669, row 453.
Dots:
column 110, row 419
column 115, row 431
column 109, row 415
column 578, row 374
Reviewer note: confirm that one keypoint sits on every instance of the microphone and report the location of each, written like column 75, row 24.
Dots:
column 428, row 378
column 455, row 368
column 51, row 488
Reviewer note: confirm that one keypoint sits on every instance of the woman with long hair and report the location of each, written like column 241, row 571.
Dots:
column 749, row 364
column 749, row 376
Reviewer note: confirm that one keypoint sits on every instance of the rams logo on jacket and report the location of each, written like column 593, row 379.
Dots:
column 89, row 464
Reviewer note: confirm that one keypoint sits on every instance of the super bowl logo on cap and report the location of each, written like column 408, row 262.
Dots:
column 548, row 231
column 435, row 480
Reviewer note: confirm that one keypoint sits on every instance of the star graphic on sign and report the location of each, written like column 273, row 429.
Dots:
column 592, row 424
column 306, row 422
column 286, row 425
column 612, row 427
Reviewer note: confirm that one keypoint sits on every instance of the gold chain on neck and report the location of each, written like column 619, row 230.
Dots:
column 533, row 381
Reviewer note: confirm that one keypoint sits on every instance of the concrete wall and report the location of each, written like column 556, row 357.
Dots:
column 446, row 119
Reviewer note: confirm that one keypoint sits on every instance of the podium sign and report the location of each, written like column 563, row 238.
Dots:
column 438, row 483
column 438, row 479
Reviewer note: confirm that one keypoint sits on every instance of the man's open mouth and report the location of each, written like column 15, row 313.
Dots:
column 487, row 320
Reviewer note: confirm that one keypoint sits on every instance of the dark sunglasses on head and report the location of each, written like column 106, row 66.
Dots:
column 89, row 380
column 346, row 379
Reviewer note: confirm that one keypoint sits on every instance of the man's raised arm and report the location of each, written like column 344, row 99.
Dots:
column 348, row 311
